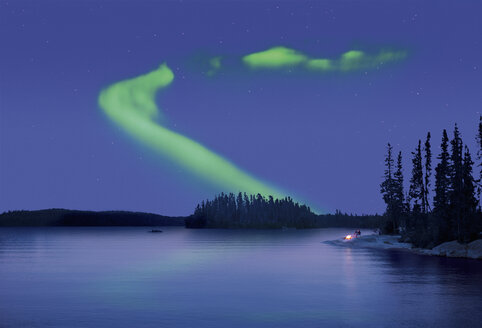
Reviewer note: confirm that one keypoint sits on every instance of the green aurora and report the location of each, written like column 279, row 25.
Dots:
column 215, row 64
column 131, row 105
column 282, row 57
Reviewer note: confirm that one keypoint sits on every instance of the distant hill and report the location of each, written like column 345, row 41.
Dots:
column 63, row 217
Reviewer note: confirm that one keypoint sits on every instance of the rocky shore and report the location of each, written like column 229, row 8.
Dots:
column 472, row 250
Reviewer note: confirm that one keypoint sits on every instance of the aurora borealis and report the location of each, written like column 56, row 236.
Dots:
column 155, row 106
column 131, row 105
column 352, row 60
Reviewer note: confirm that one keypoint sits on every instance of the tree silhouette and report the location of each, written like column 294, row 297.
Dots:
column 442, row 183
column 469, row 206
column 456, row 208
column 456, row 182
column 479, row 160
column 428, row 174
column 387, row 189
column 398, row 194
column 416, row 191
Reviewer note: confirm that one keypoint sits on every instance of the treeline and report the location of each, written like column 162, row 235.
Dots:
column 63, row 217
column 250, row 211
column 259, row 212
column 344, row 220
column 454, row 213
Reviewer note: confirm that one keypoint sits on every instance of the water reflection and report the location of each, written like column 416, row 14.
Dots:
column 125, row 277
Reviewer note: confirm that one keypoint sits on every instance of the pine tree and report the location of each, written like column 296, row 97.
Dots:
column 469, row 206
column 456, row 182
column 442, row 172
column 387, row 190
column 479, row 160
column 398, row 194
column 456, row 208
column 416, row 191
column 468, row 182
column 442, row 185
column 239, row 206
column 428, row 174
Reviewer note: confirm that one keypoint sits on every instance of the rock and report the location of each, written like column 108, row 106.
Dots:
column 474, row 249
column 450, row 249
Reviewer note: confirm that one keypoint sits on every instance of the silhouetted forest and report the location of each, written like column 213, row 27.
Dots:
column 258, row 212
column 454, row 213
column 63, row 217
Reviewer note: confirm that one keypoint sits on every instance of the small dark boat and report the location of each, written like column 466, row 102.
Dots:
column 155, row 230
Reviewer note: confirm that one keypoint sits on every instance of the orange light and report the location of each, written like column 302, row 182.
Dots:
column 348, row 237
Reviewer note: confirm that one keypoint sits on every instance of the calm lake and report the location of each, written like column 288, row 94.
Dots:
column 127, row 277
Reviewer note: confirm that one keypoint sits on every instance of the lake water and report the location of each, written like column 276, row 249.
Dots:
column 127, row 277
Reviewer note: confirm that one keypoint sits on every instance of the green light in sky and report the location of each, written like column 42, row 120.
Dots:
column 215, row 64
column 274, row 58
column 131, row 105
column 282, row 57
column 320, row 64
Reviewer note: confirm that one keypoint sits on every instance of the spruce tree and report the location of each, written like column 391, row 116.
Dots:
column 456, row 207
column 442, row 172
column 469, row 207
column 442, row 185
column 387, row 190
column 456, row 182
column 479, row 160
column 468, row 181
column 398, row 194
column 416, row 191
column 428, row 174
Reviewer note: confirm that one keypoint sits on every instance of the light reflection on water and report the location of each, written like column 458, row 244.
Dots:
column 126, row 277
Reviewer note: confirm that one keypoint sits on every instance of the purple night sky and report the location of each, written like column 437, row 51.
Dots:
column 321, row 136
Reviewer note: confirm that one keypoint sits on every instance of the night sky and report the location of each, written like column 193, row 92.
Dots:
column 318, row 135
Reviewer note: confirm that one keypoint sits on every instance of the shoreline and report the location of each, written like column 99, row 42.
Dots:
column 452, row 249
